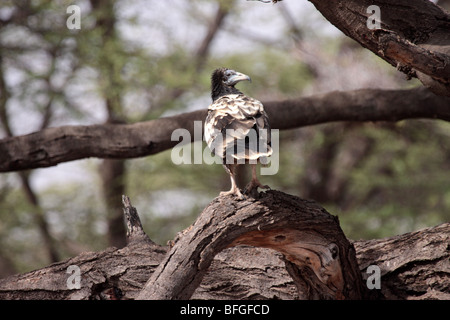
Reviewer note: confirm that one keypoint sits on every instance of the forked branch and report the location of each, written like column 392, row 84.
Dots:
column 412, row 265
column 308, row 237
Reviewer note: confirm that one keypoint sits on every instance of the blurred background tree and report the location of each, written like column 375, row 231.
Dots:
column 139, row 60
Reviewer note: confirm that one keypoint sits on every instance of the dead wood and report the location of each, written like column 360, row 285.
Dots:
column 302, row 231
column 413, row 35
column 413, row 266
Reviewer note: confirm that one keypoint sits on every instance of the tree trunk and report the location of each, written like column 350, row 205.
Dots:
column 112, row 173
column 313, row 259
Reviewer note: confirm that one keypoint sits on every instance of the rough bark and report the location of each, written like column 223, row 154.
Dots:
column 413, row 35
column 55, row 145
column 306, row 235
column 413, row 266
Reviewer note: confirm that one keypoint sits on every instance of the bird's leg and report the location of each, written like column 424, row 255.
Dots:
column 234, row 188
column 254, row 183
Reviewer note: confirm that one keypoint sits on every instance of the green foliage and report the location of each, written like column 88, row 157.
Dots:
column 402, row 184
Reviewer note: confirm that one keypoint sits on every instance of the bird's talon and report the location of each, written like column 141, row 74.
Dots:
column 254, row 186
column 237, row 193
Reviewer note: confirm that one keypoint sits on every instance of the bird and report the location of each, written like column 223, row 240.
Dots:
column 237, row 129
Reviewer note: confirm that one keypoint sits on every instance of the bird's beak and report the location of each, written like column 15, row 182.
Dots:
column 235, row 78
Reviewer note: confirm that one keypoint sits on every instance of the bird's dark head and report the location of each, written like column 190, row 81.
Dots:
column 223, row 81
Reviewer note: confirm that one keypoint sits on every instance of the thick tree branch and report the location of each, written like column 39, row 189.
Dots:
column 414, row 56
column 307, row 236
column 413, row 35
column 55, row 145
column 413, row 265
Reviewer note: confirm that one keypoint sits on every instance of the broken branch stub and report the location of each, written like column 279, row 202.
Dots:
column 310, row 239
column 135, row 232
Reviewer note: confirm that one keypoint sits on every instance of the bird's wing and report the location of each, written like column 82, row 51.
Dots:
column 237, row 126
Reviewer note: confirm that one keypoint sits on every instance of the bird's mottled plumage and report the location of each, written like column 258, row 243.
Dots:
column 237, row 127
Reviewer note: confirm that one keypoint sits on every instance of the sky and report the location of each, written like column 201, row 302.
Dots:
column 157, row 20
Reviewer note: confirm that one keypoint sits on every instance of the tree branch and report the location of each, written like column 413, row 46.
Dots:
column 413, row 34
column 307, row 236
column 414, row 56
column 55, row 145
column 413, row 265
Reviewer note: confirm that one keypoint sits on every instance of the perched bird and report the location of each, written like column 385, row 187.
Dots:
column 236, row 128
